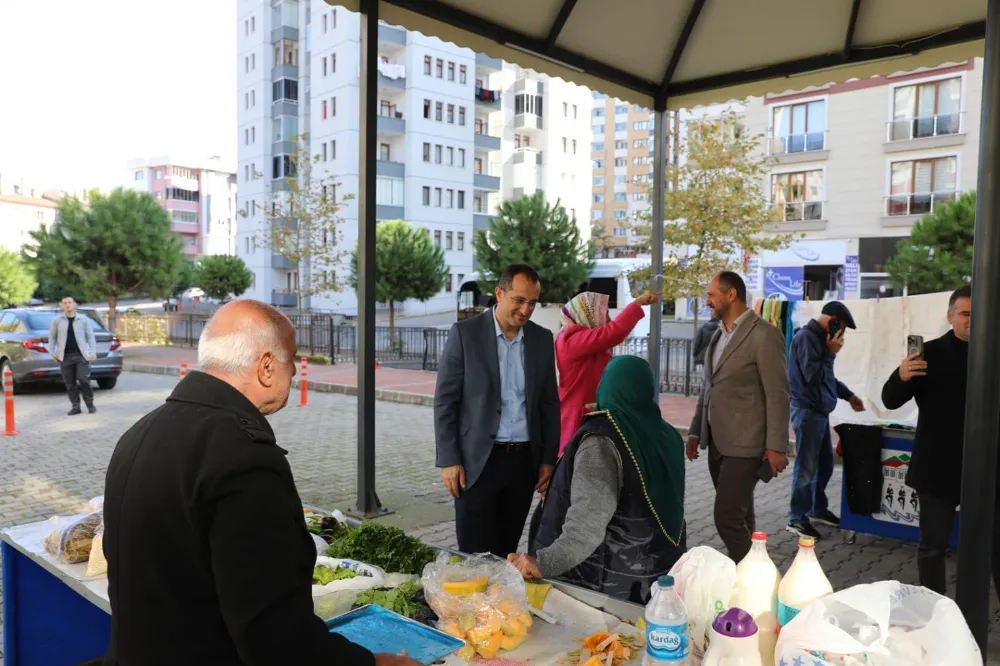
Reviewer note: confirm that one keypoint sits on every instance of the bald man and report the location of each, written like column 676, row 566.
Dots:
column 209, row 560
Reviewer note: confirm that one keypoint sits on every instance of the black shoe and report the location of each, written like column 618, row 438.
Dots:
column 804, row 529
column 74, row 412
column 827, row 518
column 91, row 409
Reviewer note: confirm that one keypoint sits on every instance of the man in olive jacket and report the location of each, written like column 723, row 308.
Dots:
column 209, row 559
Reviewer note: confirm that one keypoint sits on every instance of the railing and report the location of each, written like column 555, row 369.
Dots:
column 923, row 127
column 915, row 203
column 799, row 211
column 796, row 143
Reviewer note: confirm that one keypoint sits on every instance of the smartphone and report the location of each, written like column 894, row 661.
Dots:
column 915, row 345
column 764, row 472
column 833, row 327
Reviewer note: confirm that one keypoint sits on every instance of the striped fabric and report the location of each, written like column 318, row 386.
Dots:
column 588, row 309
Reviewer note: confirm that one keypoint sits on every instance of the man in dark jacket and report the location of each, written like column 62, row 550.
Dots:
column 937, row 382
column 815, row 390
column 703, row 338
column 209, row 559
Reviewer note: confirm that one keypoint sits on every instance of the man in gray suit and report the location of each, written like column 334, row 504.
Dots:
column 743, row 410
column 72, row 344
column 496, row 416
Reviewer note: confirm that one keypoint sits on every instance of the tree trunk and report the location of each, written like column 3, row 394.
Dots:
column 392, row 317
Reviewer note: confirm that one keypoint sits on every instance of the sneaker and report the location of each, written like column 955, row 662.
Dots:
column 74, row 412
column 804, row 529
column 91, row 409
column 827, row 518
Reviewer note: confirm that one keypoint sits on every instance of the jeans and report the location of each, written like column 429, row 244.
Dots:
column 813, row 464
column 76, row 373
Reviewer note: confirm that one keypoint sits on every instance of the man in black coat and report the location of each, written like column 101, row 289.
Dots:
column 703, row 339
column 209, row 559
column 937, row 382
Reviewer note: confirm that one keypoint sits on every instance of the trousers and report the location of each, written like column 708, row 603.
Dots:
column 735, row 480
column 76, row 374
column 813, row 464
column 491, row 514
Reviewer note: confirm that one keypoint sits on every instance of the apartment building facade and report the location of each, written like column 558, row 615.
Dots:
column 199, row 196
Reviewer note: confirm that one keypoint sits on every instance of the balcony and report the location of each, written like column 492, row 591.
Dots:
column 283, row 298
column 284, row 72
column 486, row 142
column 799, row 216
column 481, row 181
column 281, row 262
column 183, row 183
column 792, row 148
column 285, row 32
column 487, row 64
column 191, row 228
column 391, row 76
column 383, row 212
column 192, row 250
column 527, row 121
column 946, row 129
column 392, row 124
column 285, row 107
column 488, row 99
column 391, row 169
column 526, row 156
column 480, row 221
column 391, row 35
column 902, row 210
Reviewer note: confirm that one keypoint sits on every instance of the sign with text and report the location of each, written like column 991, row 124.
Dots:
column 784, row 283
column 752, row 275
column 851, row 275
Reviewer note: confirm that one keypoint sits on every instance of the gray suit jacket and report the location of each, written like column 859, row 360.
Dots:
column 59, row 329
column 743, row 408
column 467, row 396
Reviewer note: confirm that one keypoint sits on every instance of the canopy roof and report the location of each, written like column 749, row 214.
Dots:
column 692, row 52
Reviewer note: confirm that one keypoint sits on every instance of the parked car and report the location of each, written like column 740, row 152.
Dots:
column 24, row 338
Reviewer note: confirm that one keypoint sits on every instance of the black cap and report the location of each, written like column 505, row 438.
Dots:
column 840, row 311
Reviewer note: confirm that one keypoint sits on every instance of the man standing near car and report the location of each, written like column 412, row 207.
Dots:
column 815, row 391
column 72, row 344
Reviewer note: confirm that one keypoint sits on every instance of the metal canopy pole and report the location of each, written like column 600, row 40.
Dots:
column 656, row 237
column 982, row 403
column 367, row 505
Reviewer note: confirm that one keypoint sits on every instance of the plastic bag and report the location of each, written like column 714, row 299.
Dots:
column 94, row 505
column 72, row 544
column 337, row 597
column 97, row 565
column 704, row 578
column 879, row 624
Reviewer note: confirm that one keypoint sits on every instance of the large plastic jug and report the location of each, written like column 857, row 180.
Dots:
column 733, row 641
column 756, row 592
column 804, row 582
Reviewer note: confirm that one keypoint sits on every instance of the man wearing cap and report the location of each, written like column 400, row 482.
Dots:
column 815, row 390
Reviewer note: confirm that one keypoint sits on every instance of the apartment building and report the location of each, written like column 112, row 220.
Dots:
column 199, row 196
column 24, row 206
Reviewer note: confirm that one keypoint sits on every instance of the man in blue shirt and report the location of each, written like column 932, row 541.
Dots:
column 815, row 390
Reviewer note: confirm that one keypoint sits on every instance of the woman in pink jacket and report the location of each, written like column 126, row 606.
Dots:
column 583, row 347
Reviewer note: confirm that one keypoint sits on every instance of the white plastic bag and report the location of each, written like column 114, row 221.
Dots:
column 97, row 565
column 879, row 624
column 704, row 578
column 338, row 597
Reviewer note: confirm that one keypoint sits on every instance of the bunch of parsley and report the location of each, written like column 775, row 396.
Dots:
column 383, row 546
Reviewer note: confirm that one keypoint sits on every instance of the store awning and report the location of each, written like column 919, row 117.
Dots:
column 693, row 52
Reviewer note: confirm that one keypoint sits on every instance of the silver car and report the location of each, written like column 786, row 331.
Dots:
column 24, row 337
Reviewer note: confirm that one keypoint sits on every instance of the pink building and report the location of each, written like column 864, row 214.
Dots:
column 199, row 195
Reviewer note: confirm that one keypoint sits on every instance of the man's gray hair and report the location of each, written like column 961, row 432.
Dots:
column 237, row 350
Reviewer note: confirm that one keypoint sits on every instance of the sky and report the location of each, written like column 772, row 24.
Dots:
column 87, row 86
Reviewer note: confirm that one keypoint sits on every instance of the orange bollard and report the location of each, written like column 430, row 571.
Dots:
column 8, row 399
column 303, row 385
column 184, row 370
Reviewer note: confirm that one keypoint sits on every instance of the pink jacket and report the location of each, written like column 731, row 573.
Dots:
column 581, row 355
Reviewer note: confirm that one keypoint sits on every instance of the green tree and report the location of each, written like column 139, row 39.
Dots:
column 221, row 275
column 121, row 243
column 938, row 254
column 407, row 265
column 303, row 220
column 600, row 242
column 185, row 278
column 16, row 281
column 531, row 231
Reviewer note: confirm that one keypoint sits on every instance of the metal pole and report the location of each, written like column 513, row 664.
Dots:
column 982, row 404
column 367, row 505
column 656, row 236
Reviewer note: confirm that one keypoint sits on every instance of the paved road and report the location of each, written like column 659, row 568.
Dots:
column 58, row 462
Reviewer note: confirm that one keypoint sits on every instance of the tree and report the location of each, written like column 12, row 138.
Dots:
column 185, row 278
column 600, row 242
column 407, row 265
column 530, row 231
column 303, row 221
column 121, row 243
column 221, row 275
column 716, row 211
column 938, row 254
column 17, row 284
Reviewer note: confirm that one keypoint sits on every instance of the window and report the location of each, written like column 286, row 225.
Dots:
column 621, row 127
column 597, row 214
column 333, row 150
column 620, row 214
column 438, row 149
column 640, row 196
column 574, row 112
column 437, row 238
column 621, row 145
column 619, row 180
column 641, row 143
column 427, row 152
column 461, row 206
column 448, row 282
column 918, row 185
column 799, row 128
column 621, row 108
column 565, row 109
column 451, row 156
column 177, row 194
column 639, row 161
column 460, row 241
column 926, row 109
column 798, row 196
column 246, row 136
column 253, row 61
column 383, row 152
column 574, row 146
column 324, row 24
column 246, row 28
column 333, row 63
column 621, row 232
column 598, row 130
column 620, row 161
column 253, row 98
column 525, row 103
column 333, row 106
column 598, row 181
column 440, row 68
column 564, row 144
column 461, row 157
column 246, row 63
column 253, row 24
column 451, row 71
column 427, row 65
column 334, row 19
column 598, row 198
column 427, row 196
column 282, row 166
column 451, row 114
column 324, row 151
column 437, row 201
column 598, row 112
column 597, row 146
column 598, row 164
column 619, row 196
column 451, row 202
column 324, row 65
column 448, row 240
column 477, row 165
column 438, row 110
column 477, row 204
column 388, row 191
column 461, row 116
column 643, row 125
column 246, row 100
column 324, row 110
column 246, row 173
column 427, row 109
column 285, row 89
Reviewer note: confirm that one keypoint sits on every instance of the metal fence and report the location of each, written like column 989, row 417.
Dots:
column 408, row 347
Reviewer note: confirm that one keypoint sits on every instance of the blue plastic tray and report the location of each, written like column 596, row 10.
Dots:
column 381, row 630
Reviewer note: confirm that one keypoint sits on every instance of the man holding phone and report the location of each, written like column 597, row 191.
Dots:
column 815, row 391
column 936, row 380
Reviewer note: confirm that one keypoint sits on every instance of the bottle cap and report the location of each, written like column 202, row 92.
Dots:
column 760, row 536
column 666, row 581
column 806, row 542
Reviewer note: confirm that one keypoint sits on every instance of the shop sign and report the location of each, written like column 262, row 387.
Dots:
column 851, row 275
column 784, row 283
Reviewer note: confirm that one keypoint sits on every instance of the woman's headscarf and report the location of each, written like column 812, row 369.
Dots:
column 627, row 394
column 588, row 309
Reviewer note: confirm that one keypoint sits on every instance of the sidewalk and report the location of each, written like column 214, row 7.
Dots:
column 414, row 387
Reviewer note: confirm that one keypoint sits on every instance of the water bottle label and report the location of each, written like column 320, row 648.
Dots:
column 667, row 642
column 786, row 614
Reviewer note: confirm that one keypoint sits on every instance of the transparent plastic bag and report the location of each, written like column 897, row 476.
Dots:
column 704, row 579
column 72, row 544
column 337, row 597
column 94, row 505
column 97, row 565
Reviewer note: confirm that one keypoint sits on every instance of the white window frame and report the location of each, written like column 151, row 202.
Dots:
column 800, row 168
column 918, row 156
column 931, row 78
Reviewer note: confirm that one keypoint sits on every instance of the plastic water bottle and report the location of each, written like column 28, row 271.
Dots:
column 666, row 626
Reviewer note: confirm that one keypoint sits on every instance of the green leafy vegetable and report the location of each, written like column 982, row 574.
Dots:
column 324, row 575
column 384, row 546
column 399, row 599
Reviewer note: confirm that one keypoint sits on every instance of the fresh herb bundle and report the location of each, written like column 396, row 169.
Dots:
column 327, row 527
column 407, row 600
column 383, row 546
column 324, row 575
